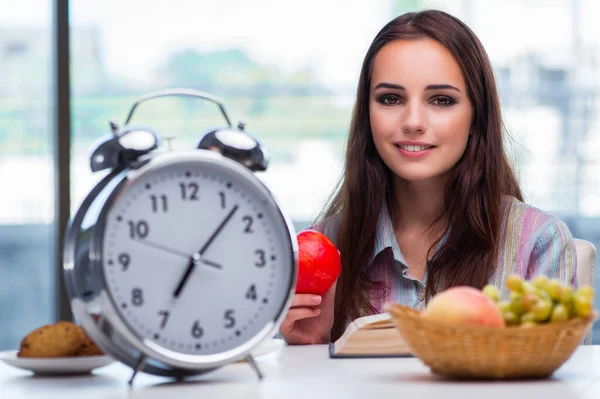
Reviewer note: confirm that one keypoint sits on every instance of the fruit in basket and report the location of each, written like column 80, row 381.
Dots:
column 543, row 300
column 466, row 306
column 492, row 292
column 319, row 263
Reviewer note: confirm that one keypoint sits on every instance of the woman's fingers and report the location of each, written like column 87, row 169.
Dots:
column 296, row 314
column 305, row 300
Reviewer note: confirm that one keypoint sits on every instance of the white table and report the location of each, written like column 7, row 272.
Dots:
column 306, row 372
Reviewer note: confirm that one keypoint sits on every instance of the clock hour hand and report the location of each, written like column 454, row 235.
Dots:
column 185, row 277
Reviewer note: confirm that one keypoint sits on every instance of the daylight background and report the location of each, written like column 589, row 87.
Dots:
column 288, row 70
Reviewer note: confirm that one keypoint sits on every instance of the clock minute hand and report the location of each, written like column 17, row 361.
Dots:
column 218, row 230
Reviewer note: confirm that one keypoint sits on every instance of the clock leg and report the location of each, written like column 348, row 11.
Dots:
column 254, row 366
column 138, row 367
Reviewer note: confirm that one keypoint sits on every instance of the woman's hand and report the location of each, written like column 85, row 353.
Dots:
column 309, row 319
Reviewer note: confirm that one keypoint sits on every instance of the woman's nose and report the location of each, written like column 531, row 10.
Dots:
column 414, row 118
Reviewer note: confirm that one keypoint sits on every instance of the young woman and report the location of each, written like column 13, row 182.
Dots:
column 428, row 199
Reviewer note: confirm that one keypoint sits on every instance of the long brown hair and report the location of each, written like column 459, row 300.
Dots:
column 473, row 192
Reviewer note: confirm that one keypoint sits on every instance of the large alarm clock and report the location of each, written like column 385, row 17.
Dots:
column 179, row 262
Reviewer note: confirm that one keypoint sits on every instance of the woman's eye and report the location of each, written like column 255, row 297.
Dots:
column 389, row 99
column 443, row 101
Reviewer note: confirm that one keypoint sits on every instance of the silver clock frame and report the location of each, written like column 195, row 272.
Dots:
column 91, row 300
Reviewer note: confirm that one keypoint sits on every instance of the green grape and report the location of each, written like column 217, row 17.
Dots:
column 565, row 294
column 582, row 306
column 528, row 316
column 559, row 313
column 586, row 291
column 527, row 287
column 543, row 295
column 540, row 281
column 542, row 310
column 504, row 306
column 514, row 283
column 515, row 304
column 492, row 292
column 528, row 301
column 552, row 289
column 510, row 318
column 528, row 324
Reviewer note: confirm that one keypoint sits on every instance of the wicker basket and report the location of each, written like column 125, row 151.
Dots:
column 489, row 353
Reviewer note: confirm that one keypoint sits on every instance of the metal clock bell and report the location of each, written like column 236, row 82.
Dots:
column 179, row 262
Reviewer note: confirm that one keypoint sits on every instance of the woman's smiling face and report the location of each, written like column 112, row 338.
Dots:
column 419, row 110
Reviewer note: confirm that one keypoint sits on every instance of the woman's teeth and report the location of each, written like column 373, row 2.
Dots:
column 414, row 148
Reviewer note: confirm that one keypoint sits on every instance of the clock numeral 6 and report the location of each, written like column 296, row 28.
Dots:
column 229, row 318
column 137, row 297
column 197, row 331
column 139, row 229
column 262, row 261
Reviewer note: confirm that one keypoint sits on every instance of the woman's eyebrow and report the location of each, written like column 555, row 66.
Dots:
column 442, row 86
column 386, row 85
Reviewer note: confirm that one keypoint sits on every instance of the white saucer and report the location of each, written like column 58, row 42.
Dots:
column 57, row 365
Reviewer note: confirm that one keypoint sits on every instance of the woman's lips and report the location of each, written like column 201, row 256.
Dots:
column 411, row 152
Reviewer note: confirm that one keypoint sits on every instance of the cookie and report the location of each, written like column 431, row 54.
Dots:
column 89, row 348
column 53, row 340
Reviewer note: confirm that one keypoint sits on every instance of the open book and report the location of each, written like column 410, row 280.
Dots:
column 370, row 336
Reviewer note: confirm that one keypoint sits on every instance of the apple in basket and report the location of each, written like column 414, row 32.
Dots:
column 465, row 306
column 319, row 263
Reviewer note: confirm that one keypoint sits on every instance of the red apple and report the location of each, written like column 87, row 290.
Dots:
column 319, row 263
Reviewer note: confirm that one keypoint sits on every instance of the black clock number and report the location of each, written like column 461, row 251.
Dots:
column 262, row 261
column 189, row 192
column 139, row 229
column 251, row 293
column 137, row 297
column 230, row 320
column 124, row 260
column 222, row 195
column 197, row 331
column 157, row 201
column 165, row 316
column 248, row 220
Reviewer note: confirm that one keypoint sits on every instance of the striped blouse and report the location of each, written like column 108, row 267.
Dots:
column 531, row 242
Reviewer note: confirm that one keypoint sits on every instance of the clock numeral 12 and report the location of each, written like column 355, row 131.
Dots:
column 189, row 191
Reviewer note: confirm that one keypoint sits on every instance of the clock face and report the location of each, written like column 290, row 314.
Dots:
column 196, row 257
